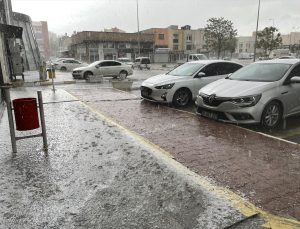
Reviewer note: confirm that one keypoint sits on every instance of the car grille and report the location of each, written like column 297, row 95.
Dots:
column 146, row 92
column 213, row 101
column 221, row 115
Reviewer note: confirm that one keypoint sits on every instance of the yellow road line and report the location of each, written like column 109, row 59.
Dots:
column 244, row 206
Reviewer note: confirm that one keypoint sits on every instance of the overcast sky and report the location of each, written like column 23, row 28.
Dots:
column 66, row 16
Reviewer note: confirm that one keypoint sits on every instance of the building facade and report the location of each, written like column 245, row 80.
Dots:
column 90, row 46
column 179, row 41
column 161, row 37
column 40, row 29
column 30, row 49
column 245, row 46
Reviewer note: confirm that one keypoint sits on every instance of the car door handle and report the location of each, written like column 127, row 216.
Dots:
column 285, row 92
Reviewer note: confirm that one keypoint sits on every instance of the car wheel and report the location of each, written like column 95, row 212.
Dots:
column 272, row 115
column 87, row 75
column 123, row 75
column 63, row 69
column 182, row 97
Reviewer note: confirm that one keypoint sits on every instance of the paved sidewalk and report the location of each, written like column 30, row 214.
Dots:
column 263, row 169
column 98, row 175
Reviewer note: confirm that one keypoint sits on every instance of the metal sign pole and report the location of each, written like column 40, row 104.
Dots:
column 10, row 119
column 52, row 74
column 42, row 117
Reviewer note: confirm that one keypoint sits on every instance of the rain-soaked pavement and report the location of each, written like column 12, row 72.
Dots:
column 97, row 175
column 95, row 170
column 260, row 168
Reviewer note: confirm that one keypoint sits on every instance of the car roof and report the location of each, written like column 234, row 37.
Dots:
column 280, row 61
column 213, row 61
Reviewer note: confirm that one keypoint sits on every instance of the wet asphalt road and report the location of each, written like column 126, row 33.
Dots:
column 98, row 176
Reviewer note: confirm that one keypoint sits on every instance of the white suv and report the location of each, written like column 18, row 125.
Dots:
column 142, row 62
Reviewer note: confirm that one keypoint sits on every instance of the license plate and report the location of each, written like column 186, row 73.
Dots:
column 211, row 115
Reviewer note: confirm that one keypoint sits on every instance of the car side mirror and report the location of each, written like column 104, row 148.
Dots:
column 227, row 77
column 294, row 79
column 97, row 66
column 200, row 75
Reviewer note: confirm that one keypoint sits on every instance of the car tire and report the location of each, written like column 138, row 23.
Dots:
column 123, row 75
column 182, row 97
column 272, row 115
column 87, row 75
column 63, row 69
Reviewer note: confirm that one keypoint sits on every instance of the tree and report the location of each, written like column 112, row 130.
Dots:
column 230, row 46
column 218, row 33
column 268, row 39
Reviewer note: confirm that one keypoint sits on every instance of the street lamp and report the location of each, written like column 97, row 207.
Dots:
column 255, row 44
column 138, row 25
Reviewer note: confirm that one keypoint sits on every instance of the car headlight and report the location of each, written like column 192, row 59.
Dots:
column 166, row 86
column 247, row 101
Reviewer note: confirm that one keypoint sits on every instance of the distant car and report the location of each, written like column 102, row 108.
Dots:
column 105, row 68
column 142, row 63
column 264, row 58
column 126, row 61
column 68, row 64
column 57, row 60
column 198, row 56
column 264, row 92
column 181, row 85
column 192, row 57
column 287, row 57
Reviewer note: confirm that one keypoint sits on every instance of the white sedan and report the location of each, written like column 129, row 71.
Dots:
column 181, row 85
column 68, row 64
column 110, row 68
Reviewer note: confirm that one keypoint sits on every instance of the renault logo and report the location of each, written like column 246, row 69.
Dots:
column 211, row 98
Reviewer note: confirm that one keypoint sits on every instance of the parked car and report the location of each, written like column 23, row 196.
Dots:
column 192, row 57
column 126, row 61
column 287, row 57
column 263, row 92
column 110, row 68
column 182, row 84
column 68, row 64
column 48, row 66
column 142, row 63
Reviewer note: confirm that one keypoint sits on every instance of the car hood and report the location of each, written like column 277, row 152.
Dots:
column 236, row 88
column 81, row 68
column 163, row 79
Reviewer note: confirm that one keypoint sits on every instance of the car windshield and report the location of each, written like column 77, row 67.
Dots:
column 94, row 63
column 264, row 72
column 187, row 69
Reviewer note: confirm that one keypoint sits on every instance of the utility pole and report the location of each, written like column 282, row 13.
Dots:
column 138, row 25
column 255, row 43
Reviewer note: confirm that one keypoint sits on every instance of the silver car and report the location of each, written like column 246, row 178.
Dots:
column 265, row 92
column 105, row 68
column 181, row 85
